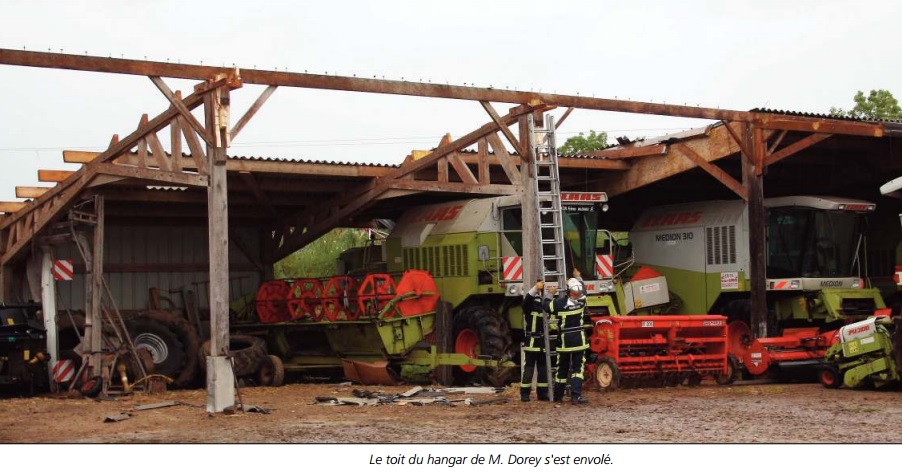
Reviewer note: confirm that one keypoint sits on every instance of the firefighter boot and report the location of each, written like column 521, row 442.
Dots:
column 524, row 393
column 576, row 390
column 558, row 392
column 542, row 393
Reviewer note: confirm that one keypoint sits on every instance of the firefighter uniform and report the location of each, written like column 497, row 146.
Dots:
column 534, row 346
column 572, row 343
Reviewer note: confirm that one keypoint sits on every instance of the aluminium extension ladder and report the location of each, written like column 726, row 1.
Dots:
column 546, row 178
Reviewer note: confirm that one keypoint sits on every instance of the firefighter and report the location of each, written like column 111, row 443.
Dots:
column 534, row 345
column 572, row 343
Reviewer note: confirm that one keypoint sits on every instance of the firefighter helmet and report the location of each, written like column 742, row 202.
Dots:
column 575, row 287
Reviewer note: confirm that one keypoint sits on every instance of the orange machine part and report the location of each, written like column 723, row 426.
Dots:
column 423, row 288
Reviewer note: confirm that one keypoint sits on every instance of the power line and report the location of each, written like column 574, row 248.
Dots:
column 420, row 140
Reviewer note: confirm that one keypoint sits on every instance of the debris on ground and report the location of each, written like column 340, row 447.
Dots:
column 416, row 396
column 117, row 417
column 153, row 406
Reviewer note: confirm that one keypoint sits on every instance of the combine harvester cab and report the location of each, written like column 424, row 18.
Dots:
column 863, row 356
column 814, row 283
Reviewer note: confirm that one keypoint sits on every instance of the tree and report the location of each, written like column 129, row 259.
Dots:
column 878, row 105
column 584, row 143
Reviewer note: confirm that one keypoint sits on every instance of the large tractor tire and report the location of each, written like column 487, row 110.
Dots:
column 247, row 353
column 480, row 331
column 172, row 342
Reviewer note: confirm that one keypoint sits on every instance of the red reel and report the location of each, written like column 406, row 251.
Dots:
column 375, row 291
column 271, row 300
column 340, row 299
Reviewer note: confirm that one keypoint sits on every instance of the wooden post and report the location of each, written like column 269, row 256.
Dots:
column 6, row 282
column 93, row 255
column 532, row 263
column 753, row 182
column 96, row 339
column 220, row 378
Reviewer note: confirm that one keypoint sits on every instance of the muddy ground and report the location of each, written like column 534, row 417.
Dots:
column 759, row 413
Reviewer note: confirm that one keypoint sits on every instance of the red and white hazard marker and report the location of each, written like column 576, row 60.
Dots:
column 64, row 370
column 62, row 270
column 604, row 266
column 511, row 268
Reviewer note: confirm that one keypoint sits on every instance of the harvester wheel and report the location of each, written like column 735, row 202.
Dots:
column 607, row 374
column 732, row 371
column 480, row 331
column 271, row 372
column 829, row 377
column 693, row 380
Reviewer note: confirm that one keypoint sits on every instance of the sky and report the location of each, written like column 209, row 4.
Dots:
column 801, row 55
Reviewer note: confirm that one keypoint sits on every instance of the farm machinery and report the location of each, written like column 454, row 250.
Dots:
column 23, row 348
column 863, row 355
column 455, row 313
column 814, row 282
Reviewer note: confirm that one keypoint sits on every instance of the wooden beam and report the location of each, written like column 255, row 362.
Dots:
column 503, row 128
column 252, row 111
column 833, row 127
column 75, row 156
column 462, row 169
column 30, row 192
column 441, row 171
column 630, row 152
column 381, row 86
column 11, row 206
column 560, row 121
column 773, row 146
column 175, row 141
column 53, row 176
column 326, row 220
column 197, row 151
column 736, row 138
column 184, row 112
column 754, row 185
column 717, row 144
column 715, row 171
column 482, row 157
column 462, row 142
column 159, row 154
column 168, row 177
column 504, row 158
column 263, row 166
column 432, row 186
column 419, row 89
column 796, row 147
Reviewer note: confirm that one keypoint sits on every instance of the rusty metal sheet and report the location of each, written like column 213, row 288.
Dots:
column 368, row 373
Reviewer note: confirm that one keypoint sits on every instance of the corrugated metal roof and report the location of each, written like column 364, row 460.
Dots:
column 819, row 115
column 311, row 162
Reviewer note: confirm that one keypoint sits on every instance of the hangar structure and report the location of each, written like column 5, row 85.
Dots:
column 192, row 212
